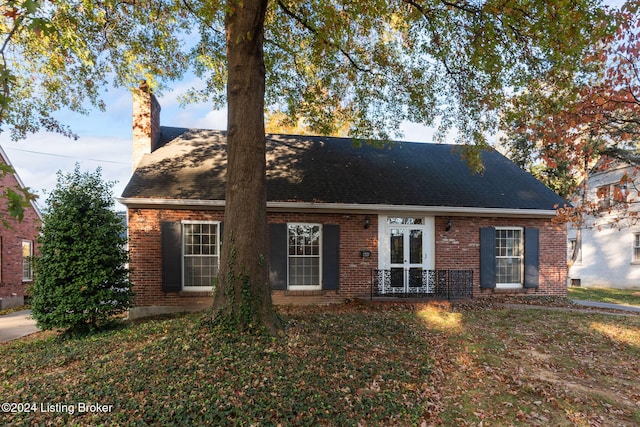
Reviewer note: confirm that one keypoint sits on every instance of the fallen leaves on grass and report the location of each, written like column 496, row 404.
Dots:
column 353, row 364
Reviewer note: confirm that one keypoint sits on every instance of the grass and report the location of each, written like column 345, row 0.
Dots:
column 342, row 365
column 616, row 296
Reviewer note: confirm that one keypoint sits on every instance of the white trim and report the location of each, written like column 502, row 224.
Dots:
column 306, row 287
column 195, row 221
column 182, row 245
column 30, row 277
column 634, row 259
column 521, row 257
column 509, row 285
column 135, row 202
column 428, row 241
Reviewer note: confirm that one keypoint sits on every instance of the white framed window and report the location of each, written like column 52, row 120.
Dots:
column 612, row 194
column 405, row 220
column 200, row 254
column 573, row 242
column 509, row 257
column 27, row 260
column 304, row 261
column 636, row 248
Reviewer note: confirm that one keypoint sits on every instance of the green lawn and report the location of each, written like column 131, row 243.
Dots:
column 617, row 296
column 342, row 366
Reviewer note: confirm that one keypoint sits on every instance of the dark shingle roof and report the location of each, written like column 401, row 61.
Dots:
column 190, row 164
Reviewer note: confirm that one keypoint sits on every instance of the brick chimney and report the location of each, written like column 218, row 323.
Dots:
column 146, row 122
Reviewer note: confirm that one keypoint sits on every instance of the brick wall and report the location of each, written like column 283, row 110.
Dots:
column 12, row 288
column 457, row 248
column 146, row 122
column 146, row 259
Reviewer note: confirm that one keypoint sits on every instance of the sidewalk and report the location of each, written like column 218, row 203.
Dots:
column 16, row 325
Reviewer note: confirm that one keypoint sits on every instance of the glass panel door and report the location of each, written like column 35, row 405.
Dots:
column 415, row 257
column 406, row 257
column 397, row 245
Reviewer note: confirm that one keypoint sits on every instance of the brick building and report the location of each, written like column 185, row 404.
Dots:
column 344, row 221
column 17, row 245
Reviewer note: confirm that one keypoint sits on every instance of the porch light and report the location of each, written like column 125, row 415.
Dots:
column 367, row 222
column 448, row 227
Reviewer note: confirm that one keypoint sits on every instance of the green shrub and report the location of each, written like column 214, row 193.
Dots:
column 81, row 274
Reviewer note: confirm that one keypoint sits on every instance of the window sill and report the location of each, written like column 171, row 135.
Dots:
column 520, row 290
column 509, row 287
column 303, row 293
column 195, row 293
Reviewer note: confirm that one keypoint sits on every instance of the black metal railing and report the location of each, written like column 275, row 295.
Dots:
column 416, row 282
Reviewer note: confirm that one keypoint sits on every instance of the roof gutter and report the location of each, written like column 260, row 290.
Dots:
column 135, row 202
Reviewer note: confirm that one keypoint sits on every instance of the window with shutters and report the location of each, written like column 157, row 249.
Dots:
column 201, row 254
column 509, row 257
column 304, row 256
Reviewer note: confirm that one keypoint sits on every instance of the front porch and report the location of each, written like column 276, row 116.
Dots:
column 416, row 283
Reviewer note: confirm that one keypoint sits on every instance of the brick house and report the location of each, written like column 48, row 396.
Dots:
column 344, row 221
column 16, row 245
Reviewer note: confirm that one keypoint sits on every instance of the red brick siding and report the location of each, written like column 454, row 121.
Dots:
column 12, row 288
column 146, row 123
column 146, row 261
column 455, row 249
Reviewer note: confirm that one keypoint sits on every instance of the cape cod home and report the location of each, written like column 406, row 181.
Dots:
column 17, row 240
column 608, row 252
column 344, row 221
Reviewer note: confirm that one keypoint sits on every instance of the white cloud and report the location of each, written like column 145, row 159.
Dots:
column 41, row 156
column 416, row 133
column 216, row 120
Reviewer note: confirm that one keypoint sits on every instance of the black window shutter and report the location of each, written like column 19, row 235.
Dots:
column 487, row 257
column 278, row 256
column 171, row 256
column 531, row 258
column 330, row 256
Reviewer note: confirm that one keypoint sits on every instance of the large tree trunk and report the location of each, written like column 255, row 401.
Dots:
column 242, row 300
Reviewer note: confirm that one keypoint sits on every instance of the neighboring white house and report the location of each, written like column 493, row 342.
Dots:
column 609, row 251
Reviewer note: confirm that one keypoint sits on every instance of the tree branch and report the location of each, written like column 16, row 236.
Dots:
column 5, row 83
column 306, row 24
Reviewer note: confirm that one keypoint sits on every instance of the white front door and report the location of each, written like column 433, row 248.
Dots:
column 406, row 250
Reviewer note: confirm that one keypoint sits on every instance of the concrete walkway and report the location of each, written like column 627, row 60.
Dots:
column 16, row 325
column 622, row 307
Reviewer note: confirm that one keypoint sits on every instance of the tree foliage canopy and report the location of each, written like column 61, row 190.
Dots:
column 372, row 64
column 81, row 275
column 563, row 133
column 567, row 128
